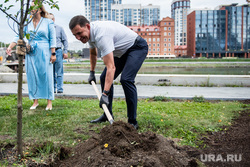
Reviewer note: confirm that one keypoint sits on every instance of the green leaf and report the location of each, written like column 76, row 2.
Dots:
column 6, row 1
column 27, row 36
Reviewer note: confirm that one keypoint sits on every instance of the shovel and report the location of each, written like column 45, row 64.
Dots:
column 105, row 108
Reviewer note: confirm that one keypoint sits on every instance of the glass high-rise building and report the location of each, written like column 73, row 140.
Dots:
column 179, row 11
column 238, row 25
column 127, row 14
column 150, row 15
column 219, row 33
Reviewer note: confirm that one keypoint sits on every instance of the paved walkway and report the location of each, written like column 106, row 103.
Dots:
column 144, row 91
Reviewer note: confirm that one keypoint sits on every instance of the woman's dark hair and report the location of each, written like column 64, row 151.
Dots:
column 78, row 20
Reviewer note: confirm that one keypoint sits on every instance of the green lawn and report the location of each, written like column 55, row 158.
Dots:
column 185, row 120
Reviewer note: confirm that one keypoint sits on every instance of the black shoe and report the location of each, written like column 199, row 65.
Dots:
column 59, row 91
column 136, row 126
column 101, row 119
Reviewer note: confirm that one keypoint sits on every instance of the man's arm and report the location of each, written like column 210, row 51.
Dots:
column 65, row 44
column 109, row 63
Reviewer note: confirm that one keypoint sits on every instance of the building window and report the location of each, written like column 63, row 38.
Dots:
column 158, row 39
column 169, row 28
column 153, row 39
column 169, row 49
column 149, row 39
column 165, row 28
column 169, row 34
column 154, row 44
column 165, row 39
column 165, row 34
column 169, row 39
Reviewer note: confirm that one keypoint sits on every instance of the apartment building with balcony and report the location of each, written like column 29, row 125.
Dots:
column 126, row 14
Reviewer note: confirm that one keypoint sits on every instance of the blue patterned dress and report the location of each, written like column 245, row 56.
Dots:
column 39, row 70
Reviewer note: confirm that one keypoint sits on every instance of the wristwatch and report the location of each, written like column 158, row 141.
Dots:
column 106, row 92
column 54, row 54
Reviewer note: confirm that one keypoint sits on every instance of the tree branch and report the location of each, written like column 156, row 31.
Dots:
column 10, row 16
column 27, row 10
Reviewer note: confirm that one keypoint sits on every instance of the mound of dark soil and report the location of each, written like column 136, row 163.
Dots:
column 121, row 145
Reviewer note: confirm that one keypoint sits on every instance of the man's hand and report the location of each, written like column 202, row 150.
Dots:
column 104, row 100
column 52, row 58
column 65, row 55
column 91, row 77
column 8, row 51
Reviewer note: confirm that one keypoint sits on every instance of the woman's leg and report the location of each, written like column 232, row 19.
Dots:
column 49, row 105
column 35, row 102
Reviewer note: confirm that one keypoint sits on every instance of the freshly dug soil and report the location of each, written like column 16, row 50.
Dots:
column 227, row 148
column 121, row 145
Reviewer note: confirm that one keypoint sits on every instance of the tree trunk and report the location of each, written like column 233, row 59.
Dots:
column 20, row 52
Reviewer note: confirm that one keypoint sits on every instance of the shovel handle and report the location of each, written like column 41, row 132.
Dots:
column 104, row 106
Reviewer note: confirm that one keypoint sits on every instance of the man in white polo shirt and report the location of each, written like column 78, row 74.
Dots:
column 122, row 51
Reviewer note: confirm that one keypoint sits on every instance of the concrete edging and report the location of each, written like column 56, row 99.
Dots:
column 153, row 79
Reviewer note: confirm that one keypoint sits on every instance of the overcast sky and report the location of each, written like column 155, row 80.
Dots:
column 70, row 8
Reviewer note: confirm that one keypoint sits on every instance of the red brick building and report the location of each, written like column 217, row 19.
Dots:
column 160, row 38
column 180, row 51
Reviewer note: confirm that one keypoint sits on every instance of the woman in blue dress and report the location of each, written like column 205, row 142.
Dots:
column 38, row 63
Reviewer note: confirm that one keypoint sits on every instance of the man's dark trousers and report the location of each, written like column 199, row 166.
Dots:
column 129, row 64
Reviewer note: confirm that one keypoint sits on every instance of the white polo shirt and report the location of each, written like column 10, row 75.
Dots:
column 110, row 36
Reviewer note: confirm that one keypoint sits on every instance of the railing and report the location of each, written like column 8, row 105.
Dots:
column 161, row 56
